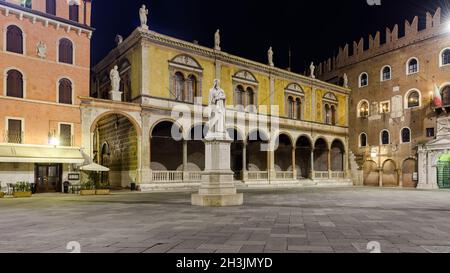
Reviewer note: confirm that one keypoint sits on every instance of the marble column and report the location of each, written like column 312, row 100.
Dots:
column 294, row 165
column 312, row 165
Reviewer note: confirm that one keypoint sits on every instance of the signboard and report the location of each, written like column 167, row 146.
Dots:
column 74, row 176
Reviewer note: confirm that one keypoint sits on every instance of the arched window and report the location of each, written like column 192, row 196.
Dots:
column 333, row 115
column 363, row 109
column 386, row 73
column 445, row 57
column 385, row 138
column 363, row 79
column 406, row 135
column 50, row 7
column 14, row 84
column 14, row 39
column 298, row 109
column 327, row 114
column 65, row 51
column 191, row 89
column 65, row 91
column 413, row 99
column 251, row 100
column 412, row 66
column 73, row 12
column 239, row 97
column 446, row 96
column 363, row 140
column 179, row 86
column 290, row 107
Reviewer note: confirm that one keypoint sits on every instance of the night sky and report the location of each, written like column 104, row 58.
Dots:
column 313, row 29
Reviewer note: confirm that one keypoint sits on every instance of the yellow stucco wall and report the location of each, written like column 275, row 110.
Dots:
column 158, row 58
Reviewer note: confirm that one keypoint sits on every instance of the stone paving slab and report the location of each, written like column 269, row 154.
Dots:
column 342, row 220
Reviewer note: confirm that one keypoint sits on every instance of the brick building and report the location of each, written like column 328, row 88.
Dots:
column 393, row 79
column 44, row 68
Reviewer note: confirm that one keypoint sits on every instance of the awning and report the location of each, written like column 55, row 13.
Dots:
column 94, row 168
column 40, row 154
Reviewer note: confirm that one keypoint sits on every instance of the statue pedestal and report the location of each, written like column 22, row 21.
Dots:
column 115, row 95
column 218, row 188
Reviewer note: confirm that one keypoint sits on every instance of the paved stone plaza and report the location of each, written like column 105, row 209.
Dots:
column 294, row 220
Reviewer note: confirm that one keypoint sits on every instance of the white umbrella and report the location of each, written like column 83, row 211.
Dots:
column 93, row 167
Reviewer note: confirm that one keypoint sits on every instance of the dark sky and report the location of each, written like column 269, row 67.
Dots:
column 314, row 29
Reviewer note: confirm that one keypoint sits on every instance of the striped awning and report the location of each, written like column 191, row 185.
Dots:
column 12, row 153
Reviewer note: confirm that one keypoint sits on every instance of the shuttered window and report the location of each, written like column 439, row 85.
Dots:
column 73, row 12
column 14, row 84
column 50, row 7
column 65, row 51
column 14, row 39
column 65, row 91
column 65, row 135
column 14, row 131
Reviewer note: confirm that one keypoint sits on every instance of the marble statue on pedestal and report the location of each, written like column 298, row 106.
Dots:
column 312, row 69
column 143, row 13
column 218, row 188
column 114, row 76
column 270, row 56
column 217, row 110
column 217, row 40
column 345, row 80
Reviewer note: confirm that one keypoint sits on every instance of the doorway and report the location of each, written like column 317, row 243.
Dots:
column 48, row 178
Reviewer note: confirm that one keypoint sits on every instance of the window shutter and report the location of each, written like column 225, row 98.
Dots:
column 65, row 91
column 14, row 40
column 14, row 86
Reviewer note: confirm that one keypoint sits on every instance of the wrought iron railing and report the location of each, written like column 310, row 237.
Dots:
column 13, row 137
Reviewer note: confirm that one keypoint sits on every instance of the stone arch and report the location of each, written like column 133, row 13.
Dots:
column 283, row 144
column 337, row 154
column 390, row 175
column 321, row 151
column 257, row 150
column 303, row 151
column 409, row 167
column 196, row 148
column 371, row 174
column 120, row 132
column 165, row 148
column 125, row 114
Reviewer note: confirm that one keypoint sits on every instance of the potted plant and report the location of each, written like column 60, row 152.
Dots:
column 22, row 189
column 102, row 189
column 87, row 188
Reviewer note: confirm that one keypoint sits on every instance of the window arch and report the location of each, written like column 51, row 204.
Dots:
column 14, row 84
column 298, row 109
column 327, row 113
column 444, row 57
column 363, row 109
column 363, row 140
column 179, row 86
column 65, row 91
column 290, row 108
column 385, row 137
column 405, row 135
column 386, row 73
column 412, row 66
column 14, row 39
column 363, row 79
column 50, row 7
column 413, row 99
column 446, row 96
column 65, row 51
column 251, row 100
column 191, row 89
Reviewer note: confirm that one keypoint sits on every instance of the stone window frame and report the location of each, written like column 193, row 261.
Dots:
column 359, row 140
column 388, row 102
column 441, row 59
column 408, row 73
column 381, row 137
column 407, row 98
column 295, row 91
column 72, row 132
column 187, row 66
column 360, row 80
column 401, row 135
column 382, row 79
column 331, row 100
column 358, row 109
column 22, row 125
column 24, row 38
column 58, row 81
column 247, row 80
column 5, row 82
